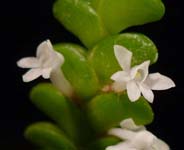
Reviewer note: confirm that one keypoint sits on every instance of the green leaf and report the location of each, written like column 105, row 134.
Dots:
column 102, row 143
column 93, row 20
column 118, row 15
column 103, row 59
column 68, row 117
column 108, row 110
column 47, row 135
column 80, row 19
column 78, row 71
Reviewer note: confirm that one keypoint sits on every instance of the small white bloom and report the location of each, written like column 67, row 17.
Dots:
column 135, row 138
column 137, row 79
column 43, row 64
column 47, row 64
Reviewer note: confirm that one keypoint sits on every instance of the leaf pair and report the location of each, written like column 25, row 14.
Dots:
column 93, row 20
column 108, row 110
column 74, row 126
column 48, row 136
column 78, row 71
column 89, row 71
column 61, row 110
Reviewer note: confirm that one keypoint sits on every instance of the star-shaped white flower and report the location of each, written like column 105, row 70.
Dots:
column 137, row 79
column 47, row 64
column 135, row 138
column 43, row 64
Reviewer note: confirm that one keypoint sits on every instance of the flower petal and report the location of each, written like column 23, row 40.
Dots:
column 157, row 81
column 123, row 56
column 140, row 72
column 133, row 91
column 31, row 75
column 122, row 133
column 158, row 144
column 49, row 44
column 143, row 140
column 121, row 146
column 43, row 51
column 130, row 125
column 48, row 56
column 28, row 62
column 147, row 92
column 121, row 76
column 46, row 73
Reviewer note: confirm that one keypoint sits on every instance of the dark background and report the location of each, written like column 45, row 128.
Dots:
column 24, row 24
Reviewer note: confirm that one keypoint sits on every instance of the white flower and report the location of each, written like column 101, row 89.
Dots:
column 137, row 80
column 47, row 64
column 135, row 138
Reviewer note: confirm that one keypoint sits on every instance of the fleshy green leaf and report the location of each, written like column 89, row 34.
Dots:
column 78, row 71
column 108, row 110
column 103, row 59
column 121, row 14
column 47, row 135
column 101, row 144
column 49, row 100
column 81, row 19
column 93, row 20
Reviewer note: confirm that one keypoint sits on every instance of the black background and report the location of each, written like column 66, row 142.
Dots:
column 24, row 24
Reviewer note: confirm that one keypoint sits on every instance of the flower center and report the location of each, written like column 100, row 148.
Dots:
column 139, row 75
